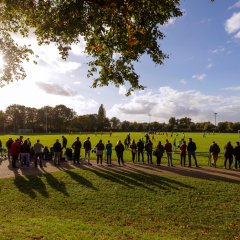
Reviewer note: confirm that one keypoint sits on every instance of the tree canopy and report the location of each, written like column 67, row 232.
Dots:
column 116, row 34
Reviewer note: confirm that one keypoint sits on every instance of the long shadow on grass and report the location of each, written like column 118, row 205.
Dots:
column 155, row 180
column 224, row 172
column 80, row 179
column 195, row 173
column 105, row 174
column 135, row 178
column 53, row 182
column 30, row 184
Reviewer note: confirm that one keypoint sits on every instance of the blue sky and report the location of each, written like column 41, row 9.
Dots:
column 201, row 76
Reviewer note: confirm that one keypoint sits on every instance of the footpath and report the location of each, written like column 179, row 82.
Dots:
column 218, row 174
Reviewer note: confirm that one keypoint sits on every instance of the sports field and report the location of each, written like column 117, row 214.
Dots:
column 202, row 143
column 132, row 202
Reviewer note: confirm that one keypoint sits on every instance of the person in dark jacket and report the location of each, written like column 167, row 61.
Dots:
column 8, row 145
column 57, row 149
column 236, row 153
column 149, row 148
column 159, row 152
column 191, row 148
column 228, row 155
column 99, row 151
column 119, row 148
column 87, row 147
column 214, row 151
column 140, row 148
column 64, row 142
column 133, row 147
column 109, row 152
column 77, row 148
column 169, row 150
column 25, row 154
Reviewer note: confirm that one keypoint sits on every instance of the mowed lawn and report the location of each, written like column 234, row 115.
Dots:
column 203, row 143
column 118, row 202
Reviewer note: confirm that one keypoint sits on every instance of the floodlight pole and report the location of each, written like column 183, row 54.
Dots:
column 215, row 117
column 149, row 122
column 46, row 121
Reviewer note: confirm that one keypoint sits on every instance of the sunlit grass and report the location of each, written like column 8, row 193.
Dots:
column 101, row 203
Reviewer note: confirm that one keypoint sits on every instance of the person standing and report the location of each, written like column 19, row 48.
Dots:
column 38, row 147
column 237, row 155
column 87, row 146
column 159, row 153
column 99, row 151
column 57, row 149
column 8, row 145
column 183, row 152
column 109, row 152
column 1, row 148
column 168, row 148
column 214, row 151
column 133, row 147
column 191, row 148
column 64, row 142
column 15, row 150
column 25, row 154
column 149, row 148
column 119, row 148
column 228, row 155
column 77, row 149
column 140, row 148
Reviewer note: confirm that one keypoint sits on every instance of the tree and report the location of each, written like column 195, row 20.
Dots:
column 115, row 123
column 2, row 121
column 62, row 116
column 16, row 116
column 172, row 122
column 116, row 34
column 101, row 118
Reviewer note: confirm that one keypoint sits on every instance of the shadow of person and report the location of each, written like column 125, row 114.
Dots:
column 80, row 179
column 53, row 182
column 24, row 186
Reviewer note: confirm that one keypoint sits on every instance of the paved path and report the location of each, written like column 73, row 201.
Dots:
column 219, row 174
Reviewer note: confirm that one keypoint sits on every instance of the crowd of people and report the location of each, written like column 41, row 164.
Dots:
column 22, row 151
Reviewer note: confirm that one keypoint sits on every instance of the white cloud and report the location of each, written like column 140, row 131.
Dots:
column 210, row 65
column 183, row 81
column 232, row 25
column 168, row 102
column 122, row 90
column 236, row 88
column 236, row 5
column 56, row 89
column 237, row 36
column 199, row 77
column 218, row 50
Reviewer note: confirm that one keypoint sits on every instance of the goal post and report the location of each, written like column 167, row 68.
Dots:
column 25, row 131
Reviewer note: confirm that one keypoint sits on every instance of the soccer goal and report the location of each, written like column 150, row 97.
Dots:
column 25, row 131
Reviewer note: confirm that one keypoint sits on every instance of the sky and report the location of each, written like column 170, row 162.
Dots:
column 201, row 76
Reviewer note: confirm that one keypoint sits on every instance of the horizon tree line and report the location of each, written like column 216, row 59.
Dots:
column 63, row 119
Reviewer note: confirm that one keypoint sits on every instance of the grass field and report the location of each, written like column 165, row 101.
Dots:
column 118, row 203
column 102, row 203
column 202, row 143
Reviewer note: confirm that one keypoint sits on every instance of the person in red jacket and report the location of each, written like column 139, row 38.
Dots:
column 15, row 150
column 183, row 152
